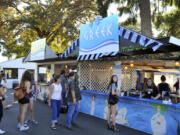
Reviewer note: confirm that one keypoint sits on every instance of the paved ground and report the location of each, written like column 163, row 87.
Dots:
column 88, row 125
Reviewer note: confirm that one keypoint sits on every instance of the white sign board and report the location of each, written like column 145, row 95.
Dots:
column 42, row 70
column 38, row 49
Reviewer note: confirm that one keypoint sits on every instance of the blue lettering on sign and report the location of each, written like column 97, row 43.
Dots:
column 100, row 36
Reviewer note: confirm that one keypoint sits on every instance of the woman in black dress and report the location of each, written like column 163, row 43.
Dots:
column 112, row 102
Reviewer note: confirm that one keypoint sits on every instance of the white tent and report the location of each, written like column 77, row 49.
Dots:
column 19, row 66
column 18, row 63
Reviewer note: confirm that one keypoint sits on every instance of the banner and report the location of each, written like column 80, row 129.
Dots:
column 100, row 36
column 153, row 118
column 38, row 49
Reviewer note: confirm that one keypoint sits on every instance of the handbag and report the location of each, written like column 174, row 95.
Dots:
column 18, row 94
column 113, row 99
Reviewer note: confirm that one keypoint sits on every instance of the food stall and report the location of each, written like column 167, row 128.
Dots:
column 49, row 63
column 104, row 48
column 132, row 57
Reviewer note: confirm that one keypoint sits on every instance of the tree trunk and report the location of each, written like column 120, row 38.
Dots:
column 145, row 15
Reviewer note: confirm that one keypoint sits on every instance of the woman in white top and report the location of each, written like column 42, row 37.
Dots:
column 55, row 100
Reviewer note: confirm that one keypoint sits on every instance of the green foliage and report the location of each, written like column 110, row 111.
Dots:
column 169, row 24
column 57, row 21
column 175, row 3
column 130, row 7
column 103, row 6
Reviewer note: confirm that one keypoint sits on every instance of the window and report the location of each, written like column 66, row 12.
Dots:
column 11, row 73
column 44, row 75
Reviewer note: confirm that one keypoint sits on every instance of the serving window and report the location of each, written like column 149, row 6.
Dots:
column 11, row 73
column 44, row 74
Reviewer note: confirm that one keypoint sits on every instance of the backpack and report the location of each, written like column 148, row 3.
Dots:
column 18, row 94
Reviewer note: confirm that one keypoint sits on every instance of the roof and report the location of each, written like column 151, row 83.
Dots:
column 49, row 54
column 17, row 63
column 130, row 43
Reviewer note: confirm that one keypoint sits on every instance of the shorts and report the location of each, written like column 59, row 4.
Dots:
column 24, row 101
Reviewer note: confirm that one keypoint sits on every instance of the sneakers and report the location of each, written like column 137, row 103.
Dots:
column 30, row 121
column 23, row 128
column 27, row 121
column 34, row 122
column 2, row 132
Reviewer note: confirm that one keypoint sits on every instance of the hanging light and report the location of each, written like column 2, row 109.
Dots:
column 131, row 65
column 177, row 63
column 126, row 68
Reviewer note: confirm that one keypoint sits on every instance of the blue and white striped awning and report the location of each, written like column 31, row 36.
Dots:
column 70, row 49
column 130, row 35
column 95, row 56
column 135, row 37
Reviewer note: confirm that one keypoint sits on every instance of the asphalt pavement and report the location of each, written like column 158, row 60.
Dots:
column 87, row 125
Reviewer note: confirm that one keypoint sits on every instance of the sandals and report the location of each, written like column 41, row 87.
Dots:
column 109, row 127
column 112, row 128
column 115, row 129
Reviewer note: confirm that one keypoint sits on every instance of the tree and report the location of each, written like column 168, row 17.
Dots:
column 150, row 12
column 103, row 6
column 133, row 8
column 145, row 15
column 57, row 21
column 175, row 3
column 169, row 24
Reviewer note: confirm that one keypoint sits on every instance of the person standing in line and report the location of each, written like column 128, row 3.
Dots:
column 30, row 112
column 74, row 96
column 64, row 87
column 55, row 97
column 112, row 103
column 26, row 86
column 2, row 94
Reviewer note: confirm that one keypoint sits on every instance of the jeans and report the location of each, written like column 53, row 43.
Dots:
column 56, row 108
column 63, row 97
column 73, row 111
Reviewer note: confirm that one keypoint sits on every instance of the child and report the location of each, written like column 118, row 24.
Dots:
column 1, row 105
